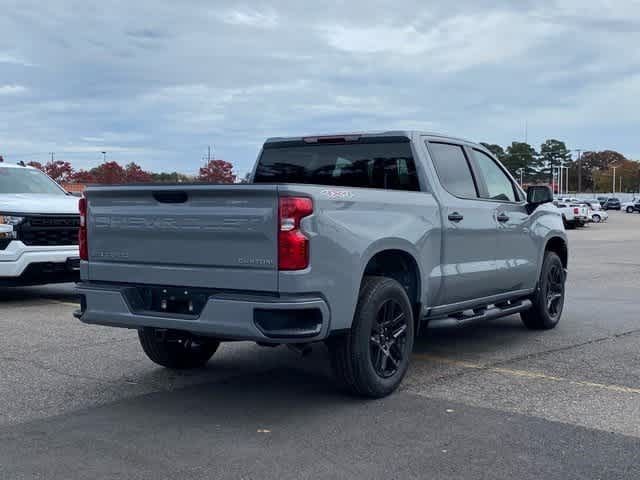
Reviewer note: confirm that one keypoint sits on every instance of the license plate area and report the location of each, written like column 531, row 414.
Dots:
column 181, row 301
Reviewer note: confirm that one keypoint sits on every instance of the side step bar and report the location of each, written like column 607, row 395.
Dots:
column 462, row 319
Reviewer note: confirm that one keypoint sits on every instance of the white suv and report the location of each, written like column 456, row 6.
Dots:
column 38, row 229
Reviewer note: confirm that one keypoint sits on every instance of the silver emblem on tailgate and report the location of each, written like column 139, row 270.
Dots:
column 255, row 261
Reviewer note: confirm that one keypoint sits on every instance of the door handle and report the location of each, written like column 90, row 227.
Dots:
column 455, row 217
column 502, row 217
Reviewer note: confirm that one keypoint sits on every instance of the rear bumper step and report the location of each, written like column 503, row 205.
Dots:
column 480, row 314
column 239, row 316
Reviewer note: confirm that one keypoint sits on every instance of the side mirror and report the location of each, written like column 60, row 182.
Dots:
column 537, row 195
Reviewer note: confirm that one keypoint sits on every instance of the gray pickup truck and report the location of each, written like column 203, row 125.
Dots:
column 359, row 241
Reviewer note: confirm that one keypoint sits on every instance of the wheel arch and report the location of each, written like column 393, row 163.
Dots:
column 559, row 246
column 400, row 264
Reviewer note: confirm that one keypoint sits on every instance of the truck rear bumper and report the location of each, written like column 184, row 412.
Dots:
column 231, row 316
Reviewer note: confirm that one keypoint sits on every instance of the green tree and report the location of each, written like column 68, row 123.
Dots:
column 553, row 153
column 497, row 150
column 521, row 156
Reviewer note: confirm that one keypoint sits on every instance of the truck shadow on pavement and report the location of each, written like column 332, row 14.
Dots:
column 249, row 360
column 61, row 293
column 486, row 337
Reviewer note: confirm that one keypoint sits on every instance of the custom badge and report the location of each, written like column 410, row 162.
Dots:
column 337, row 194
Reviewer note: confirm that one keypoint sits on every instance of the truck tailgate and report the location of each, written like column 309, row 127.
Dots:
column 213, row 236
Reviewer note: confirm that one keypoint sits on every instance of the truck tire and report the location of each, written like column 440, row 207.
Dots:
column 373, row 357
column 568, row 225
column 178, row 350
column 548, row 300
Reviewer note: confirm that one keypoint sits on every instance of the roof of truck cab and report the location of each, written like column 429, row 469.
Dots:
column 14, row 165
column 389, row 133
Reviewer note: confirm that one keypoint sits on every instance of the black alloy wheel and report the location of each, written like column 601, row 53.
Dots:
column 555, row 291
column 547, row 302
column 388, row 339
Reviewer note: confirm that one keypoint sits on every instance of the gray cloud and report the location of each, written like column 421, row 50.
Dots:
column 156, row 82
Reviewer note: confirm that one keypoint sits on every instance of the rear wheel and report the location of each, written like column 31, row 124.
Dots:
column 175, row 349
column 548, row 300
column 629, row 209
column 596, row 218
column 373, row 357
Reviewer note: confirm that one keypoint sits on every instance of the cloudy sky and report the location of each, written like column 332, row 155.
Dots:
column 156, row 82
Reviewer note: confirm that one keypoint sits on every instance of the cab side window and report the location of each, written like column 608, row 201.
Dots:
column 453, row 169
column 499, row 186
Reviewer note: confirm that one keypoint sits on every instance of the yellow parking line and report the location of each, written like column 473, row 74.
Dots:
column 527, row 374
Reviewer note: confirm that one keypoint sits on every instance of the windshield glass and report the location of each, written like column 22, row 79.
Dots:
column 27, row 180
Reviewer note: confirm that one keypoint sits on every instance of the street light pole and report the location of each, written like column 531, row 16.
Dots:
column 579, row 170
column 560, row 191
column 614, row 179
column 560, row 180
column 104, row 157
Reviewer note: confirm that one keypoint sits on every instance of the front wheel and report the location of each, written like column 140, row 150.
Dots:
column 373, row 357
column 175, row 349
column 548, row 300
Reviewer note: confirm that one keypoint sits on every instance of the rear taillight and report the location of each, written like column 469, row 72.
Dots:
column 82, row 232
column 293, row 245
column 576, row 211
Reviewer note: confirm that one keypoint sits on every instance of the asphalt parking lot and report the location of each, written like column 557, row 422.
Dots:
column 494, row 401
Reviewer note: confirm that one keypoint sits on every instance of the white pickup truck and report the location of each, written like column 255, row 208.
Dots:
column 39, row 224
column 573, row 214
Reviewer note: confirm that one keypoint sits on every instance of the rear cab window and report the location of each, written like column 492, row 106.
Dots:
column 384, row 163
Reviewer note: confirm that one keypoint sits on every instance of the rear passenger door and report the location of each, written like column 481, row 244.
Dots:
column 468, row 227
column 517, row 250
